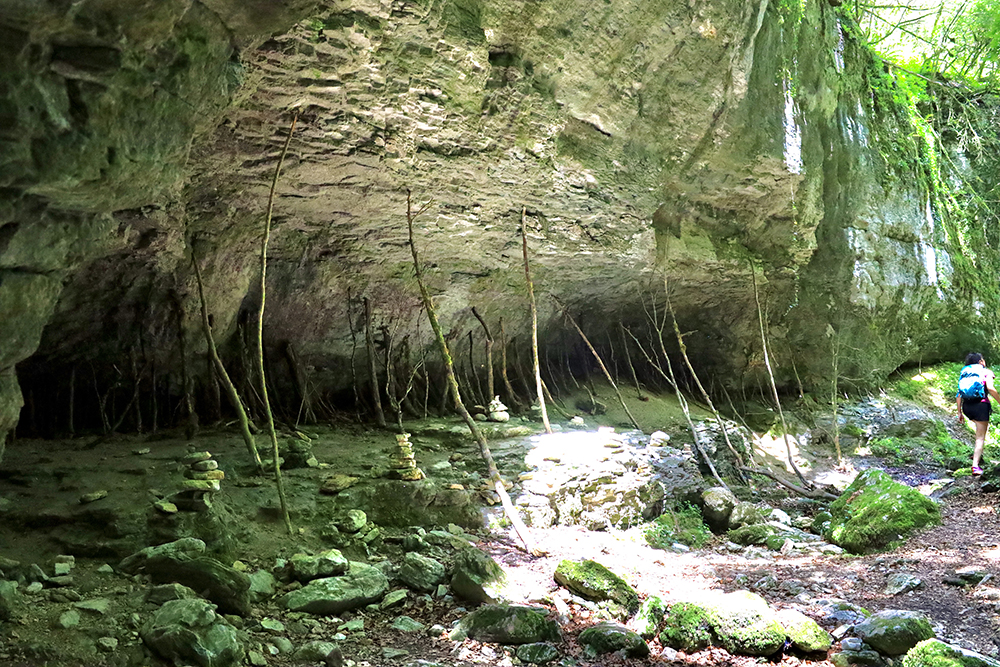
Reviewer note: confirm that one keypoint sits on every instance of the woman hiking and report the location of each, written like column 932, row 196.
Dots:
column 975, row 386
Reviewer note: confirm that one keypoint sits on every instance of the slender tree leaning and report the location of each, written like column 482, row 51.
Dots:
column 511, row 396
column 227, row 383
column 600, row 363
column 774, row 386
column 534, row 321
column 701, row 387
column 484, row 448
column 260, row 330
column 372, row 373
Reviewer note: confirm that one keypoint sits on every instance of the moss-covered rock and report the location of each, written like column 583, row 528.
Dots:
column 592, row 581
column 746, row 514
column 477, row 577
column 804, row 632
column 894, row 631
column 744, row 624
column 649, row 616
column 537, row 654
column 876, row 513
column 717, row 505
column 508, row 624
column 686, row 627
column 756, row 534
column 611, row 637
column 936, row 653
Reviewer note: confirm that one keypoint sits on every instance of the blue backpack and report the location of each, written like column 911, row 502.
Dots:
column 972, row 382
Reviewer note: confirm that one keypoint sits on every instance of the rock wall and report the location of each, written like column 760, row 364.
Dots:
column 706, row 146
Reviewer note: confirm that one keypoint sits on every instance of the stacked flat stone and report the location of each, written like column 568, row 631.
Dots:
column 203, row 479
column 498, row 411
column 402, row 465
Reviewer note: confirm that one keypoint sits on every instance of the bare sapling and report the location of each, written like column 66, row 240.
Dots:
column 631, row 366
column 511, row 395
column 681, row 399
column 835, row 360
column 534, row 322
column 372, row 373
column 701, row 388
column 774, row 386
column 600, row 363
column 484, row 449
column 354, row 350
column 489, row 354
column 260, row 330
column 227, row 383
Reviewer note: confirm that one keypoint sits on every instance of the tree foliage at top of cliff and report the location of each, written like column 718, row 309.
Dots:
column 955, row 41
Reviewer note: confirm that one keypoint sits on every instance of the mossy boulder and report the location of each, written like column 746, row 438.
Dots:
column 746, row 514
column 477, row 577
column 508, row 624
column 648, row 618
column 744, row 624
column 537, row 654
column 936, row 653
column 804, row 632
column 756, row 534
column 877, row 513
column 611, row 637
column 894, row 631
column 686, row 627
column 592, row 581
column 717, row 505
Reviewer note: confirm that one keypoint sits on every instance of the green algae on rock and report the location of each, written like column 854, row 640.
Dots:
column 876, row 513
column 591, row 580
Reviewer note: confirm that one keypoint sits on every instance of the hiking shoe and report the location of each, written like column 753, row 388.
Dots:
column 977, row 471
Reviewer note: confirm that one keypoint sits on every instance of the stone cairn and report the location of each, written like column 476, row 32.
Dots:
column 203, row 479
column 401, row 463
column 498, row 411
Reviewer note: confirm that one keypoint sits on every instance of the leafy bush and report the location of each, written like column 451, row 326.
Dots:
column 682, row 525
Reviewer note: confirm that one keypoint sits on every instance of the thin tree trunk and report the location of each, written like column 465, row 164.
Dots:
column 694, row 375
column 484, row 449
column 72, row 401
column 774, row 386
column 260, row 331
column 628, row 359
column 372, row 373
column 227, row 383
column 511, row 396
column 600, row 363
column 489, row 355
column 534, row 322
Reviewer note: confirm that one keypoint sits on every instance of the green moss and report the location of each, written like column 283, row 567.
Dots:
column 684, row 525
column 755, row 534
column 686, row 628
column 510, row 624
column 743, row 623
column 593, row 581
column 935, row 653
column 877, row 513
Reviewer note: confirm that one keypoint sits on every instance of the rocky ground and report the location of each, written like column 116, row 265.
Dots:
column 93, row 616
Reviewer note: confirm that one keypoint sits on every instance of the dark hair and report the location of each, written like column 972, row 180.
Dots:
column 973, row 358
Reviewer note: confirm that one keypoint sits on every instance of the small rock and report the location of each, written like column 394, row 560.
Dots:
column 107, row 644
column 93, row 496
column 69, row 619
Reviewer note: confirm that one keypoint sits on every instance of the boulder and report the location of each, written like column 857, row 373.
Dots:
column 508, row 624
column 611, row 637
column 746, row 514
column 875, row 513
column 537, row 654
column 592, row 581
column 804, row 633
column 894, row 631
column 936, row 653
column 420, row 573
column 744, row 624
column 476, row 577
column 10, row 600
column 318, row 651
column 190, row 632
column 717, row 505
column 648, row 618
column 181, row 562
column 686, row 627
column 361, row 585
column 328, row 563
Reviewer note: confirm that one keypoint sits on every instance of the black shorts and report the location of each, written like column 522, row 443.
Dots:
column 977, row 411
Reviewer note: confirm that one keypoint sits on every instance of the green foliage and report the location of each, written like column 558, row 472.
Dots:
column 686, row 627
column 683, row 525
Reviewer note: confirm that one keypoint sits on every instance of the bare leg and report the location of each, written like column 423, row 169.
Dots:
column 977, row 453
